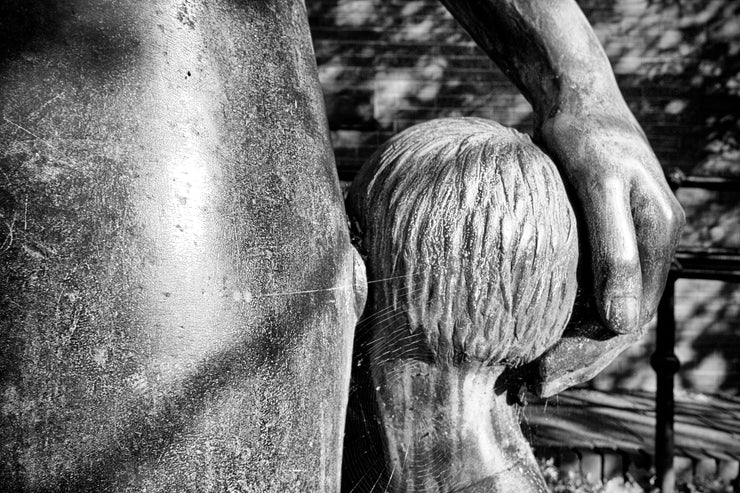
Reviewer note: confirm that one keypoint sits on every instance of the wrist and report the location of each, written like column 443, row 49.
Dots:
column 583, row 93
column 579, row 118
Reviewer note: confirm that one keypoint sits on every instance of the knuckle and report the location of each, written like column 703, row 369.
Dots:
column 674, row 218
column 668, row 215
column 623, row 263
column 678, row 218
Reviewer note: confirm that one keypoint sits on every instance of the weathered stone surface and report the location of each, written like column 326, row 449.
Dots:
column 630, row 219
column 470, row 238
column 178, row 293
column 451, row 429
column 471, row 249
column 585, row 349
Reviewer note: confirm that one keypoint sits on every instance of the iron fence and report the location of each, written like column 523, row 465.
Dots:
column 689, row 263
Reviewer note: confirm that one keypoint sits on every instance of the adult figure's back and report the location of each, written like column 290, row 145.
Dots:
column 177, row 297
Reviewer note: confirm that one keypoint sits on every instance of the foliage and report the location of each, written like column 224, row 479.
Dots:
column 576, row 482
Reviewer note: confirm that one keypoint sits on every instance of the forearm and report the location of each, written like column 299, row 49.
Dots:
column 630, row 218
column 547, row 48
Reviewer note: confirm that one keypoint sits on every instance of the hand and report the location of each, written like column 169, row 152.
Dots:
column 632, row 219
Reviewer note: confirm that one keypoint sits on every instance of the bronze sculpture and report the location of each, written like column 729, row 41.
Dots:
column 180, row 256
column 469, row 230
column 177, row 264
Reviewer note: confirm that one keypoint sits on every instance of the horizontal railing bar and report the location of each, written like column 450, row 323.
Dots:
column 719, row 264
column 678, row 179
column 709, row 275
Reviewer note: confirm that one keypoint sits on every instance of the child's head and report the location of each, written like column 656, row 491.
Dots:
column 471, row 226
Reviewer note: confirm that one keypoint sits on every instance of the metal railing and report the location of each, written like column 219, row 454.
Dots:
column 689, row 263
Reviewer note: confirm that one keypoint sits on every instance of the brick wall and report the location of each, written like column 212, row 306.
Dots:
column 387, row 64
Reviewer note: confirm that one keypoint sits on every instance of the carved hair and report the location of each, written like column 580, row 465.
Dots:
column 468, row 225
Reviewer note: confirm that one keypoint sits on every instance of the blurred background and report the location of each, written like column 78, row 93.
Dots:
column 387, row 64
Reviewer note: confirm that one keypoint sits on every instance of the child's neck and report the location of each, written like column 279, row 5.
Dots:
column 448, row 429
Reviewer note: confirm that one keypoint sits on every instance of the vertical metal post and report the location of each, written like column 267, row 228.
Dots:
column 666, row 364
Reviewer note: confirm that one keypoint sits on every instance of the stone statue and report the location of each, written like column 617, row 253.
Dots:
column 468, row 230
column 178, row 265
column 630, row 220
column 179, row 290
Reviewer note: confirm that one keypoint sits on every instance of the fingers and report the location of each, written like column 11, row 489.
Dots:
column 633, row 229
column 615, row 256
column 658, row 220
column 578, row 358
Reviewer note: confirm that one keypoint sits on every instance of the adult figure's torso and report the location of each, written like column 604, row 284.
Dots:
column 177, row 300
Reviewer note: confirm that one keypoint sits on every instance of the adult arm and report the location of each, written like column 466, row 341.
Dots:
column 632, row 219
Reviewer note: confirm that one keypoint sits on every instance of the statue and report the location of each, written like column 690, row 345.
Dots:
column 179, row 290
column 468, row 230
column 179, row 263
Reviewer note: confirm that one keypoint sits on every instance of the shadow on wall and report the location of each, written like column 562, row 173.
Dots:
column 386, row 65
column 678, row 61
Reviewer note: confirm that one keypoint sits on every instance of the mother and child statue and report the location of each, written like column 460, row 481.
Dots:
column 180, row 289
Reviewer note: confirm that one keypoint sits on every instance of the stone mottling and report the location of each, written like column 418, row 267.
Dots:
column 585, row 349
column 167, row 187
column 470, row 236
column 471, row 248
